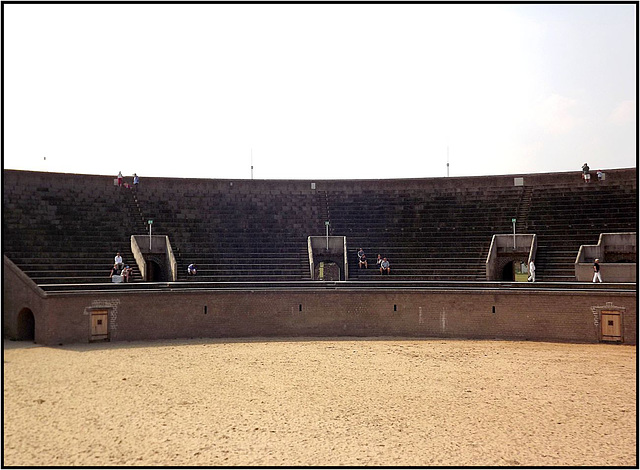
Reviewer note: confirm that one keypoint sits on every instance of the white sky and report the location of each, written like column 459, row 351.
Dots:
column 319, row 91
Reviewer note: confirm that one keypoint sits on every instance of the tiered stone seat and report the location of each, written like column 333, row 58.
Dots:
column 569, row 215
column 234, row 232
column 428, row 234
column 65, row 228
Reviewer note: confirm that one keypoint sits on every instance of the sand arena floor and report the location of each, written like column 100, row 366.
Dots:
column 353, row 402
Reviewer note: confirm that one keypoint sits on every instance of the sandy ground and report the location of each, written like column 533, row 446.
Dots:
column 311, row 402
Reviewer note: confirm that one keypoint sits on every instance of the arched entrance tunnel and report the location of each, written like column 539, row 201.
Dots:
column 25, row 325
column 507, row 272
column 155, row 272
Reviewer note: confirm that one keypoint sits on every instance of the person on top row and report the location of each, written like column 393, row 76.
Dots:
column 136, row 181
column 586, row 176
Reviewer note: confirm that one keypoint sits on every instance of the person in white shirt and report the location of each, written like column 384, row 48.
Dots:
column 532, row 272
column 118, row 260
column 384, row 266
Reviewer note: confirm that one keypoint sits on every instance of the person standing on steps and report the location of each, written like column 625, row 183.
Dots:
column 532, row 272
column 596, row 270
column 585, row 173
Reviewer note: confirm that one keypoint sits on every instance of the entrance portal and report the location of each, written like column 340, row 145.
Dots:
column 328, row 271
column 155, row 272
column 507, row 272
column 26, row 326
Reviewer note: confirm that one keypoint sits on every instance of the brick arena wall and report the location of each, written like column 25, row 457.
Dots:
column 531, row 315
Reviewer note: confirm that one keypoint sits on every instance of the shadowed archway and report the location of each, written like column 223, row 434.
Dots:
column 507, row 272
column 25, row 326
column 154, row 271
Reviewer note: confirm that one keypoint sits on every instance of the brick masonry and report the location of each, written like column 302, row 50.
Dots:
column 150, row 315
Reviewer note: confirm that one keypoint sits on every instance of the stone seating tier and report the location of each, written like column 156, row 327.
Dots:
column 566, row 217
column 438, row 228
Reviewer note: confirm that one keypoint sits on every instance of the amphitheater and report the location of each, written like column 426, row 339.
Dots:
column 281, row 351
column 278, row 258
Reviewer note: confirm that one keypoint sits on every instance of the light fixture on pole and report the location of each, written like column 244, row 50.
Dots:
column 150, row 221
column 326, row 224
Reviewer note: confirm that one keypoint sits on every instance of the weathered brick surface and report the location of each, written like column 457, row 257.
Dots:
column 522, row 315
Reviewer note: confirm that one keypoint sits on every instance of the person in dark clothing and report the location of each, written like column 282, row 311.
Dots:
column 362, row 258
column 115, row 271
column 585, row 173
column 596, row 271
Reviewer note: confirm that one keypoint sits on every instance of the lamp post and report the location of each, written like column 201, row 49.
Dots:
column 150, row 224
column 326, row 224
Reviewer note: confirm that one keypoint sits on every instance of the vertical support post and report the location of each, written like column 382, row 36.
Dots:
column 513, row 221
column 150, row 224
column 326, row 224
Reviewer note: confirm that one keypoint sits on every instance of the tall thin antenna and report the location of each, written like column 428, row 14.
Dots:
column 252, row 163
column 447, row 161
